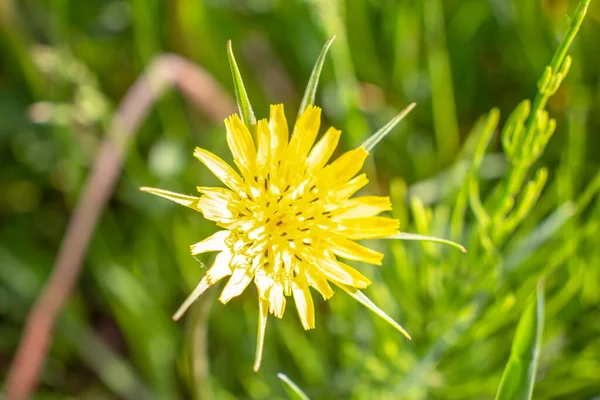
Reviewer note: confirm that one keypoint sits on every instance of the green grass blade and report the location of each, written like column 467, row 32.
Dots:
column 311, row 89
column 519, row 374
column 443, row 98
column 423, row 238
column 243, row 102
column 291, row 388
column 538, row 236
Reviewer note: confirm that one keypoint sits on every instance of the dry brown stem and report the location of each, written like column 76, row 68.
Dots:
column 165, row 71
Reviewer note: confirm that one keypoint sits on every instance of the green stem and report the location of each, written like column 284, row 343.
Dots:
column 557, row 61
column 198, row 337
column 578, row 17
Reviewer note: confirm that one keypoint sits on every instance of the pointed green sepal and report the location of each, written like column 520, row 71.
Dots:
column 375, row 138
column 243, row 102
column 423, row 238
column 365, row 301
column 198, row 291
column 291, row 388
column 182, row 199
column 311, row 89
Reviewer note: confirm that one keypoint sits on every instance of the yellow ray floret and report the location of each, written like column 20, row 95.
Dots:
column 287, row 216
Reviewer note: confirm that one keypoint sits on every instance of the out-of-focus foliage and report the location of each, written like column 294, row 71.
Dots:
column 525, row 210
column 519, row 375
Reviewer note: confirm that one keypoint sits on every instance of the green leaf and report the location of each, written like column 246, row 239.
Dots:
column 243, row 102
column 291, row 388
column 365, row 301
column 519, row 374
column 423, row 238
column 311, row 89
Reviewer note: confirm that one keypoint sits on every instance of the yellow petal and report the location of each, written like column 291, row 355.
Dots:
column 340, row 272
column 264, row 142
column 220, row 169
column 350, row 250
column 351, row 187
column 323, row 150
column 367, row 228
column 304, row 304
column 220, row 268
column 238, row 282
column 263, row 283
column 305, row 133
column 241, row 145
column 223, row 192
column 366, row 206
column 279, row 131
column 276, row 300
column 188, row 201
column 201, row 288
column 216, row 208
column 344, row 167
column 215, row 242
column 220, row 204
column 317, row 280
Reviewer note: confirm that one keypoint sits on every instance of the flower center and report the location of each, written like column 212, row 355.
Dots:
column 280, row 226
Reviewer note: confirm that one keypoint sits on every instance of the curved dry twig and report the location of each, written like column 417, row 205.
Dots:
column 165, row 71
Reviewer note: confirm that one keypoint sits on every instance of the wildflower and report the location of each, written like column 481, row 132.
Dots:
column 288, row 214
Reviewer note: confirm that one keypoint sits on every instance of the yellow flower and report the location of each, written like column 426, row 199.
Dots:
column 286, row 216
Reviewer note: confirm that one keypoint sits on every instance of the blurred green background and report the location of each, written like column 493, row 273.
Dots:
column 65, row 65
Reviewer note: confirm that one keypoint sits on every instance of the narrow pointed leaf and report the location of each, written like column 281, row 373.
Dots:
column 311, row 89
column 243, row 102
column 519, row 374
column 365, row 301
column 423, row 238
column 291, row 388
column 375, row 138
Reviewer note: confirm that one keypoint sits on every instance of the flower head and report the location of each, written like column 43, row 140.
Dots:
column 287, row 216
